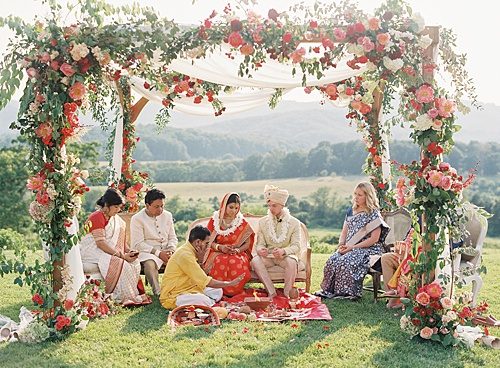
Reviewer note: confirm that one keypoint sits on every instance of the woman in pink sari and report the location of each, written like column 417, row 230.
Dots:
column 105, row 245
column 232, row 241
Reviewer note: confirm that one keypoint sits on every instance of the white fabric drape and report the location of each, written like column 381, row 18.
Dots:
column 118, row 150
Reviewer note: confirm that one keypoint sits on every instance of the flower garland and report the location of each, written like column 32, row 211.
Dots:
column 285, row 225
column 235, row 224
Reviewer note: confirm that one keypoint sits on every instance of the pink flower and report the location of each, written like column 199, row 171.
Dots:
column 54, row 65
column 425, row 94
column 433, row 113
column 32, row 72
column 400, row 197
column 42, row 197
column 36, row 182
column 444, row 166
column 373, row 24
column 457, row 187
column 77, row 91
column 400, row 183
column 367, row 44
column 339, row 34
column 67, row 70
column 434, row 290
column 68, row 304
column 445, row 107
column 331, row 90
column 235, row 39
column 423, row 298
column 434, row 178
column 44, row 57
column 445, row 182
column 287, row 37
column 437, row 124
column 383, row 38
column 426, row 333
column 44, row 132
column 131, row 195
column 446, row 302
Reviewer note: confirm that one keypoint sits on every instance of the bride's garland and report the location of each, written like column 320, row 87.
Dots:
column 285, row 225
column 238, row 220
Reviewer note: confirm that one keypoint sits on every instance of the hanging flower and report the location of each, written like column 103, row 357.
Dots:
column 445, row 107
column 77, row 91
column 67, row 69
column 425, row 94
column 235, row 39
column 44, row 132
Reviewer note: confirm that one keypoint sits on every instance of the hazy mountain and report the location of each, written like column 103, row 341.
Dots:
column 294, row 125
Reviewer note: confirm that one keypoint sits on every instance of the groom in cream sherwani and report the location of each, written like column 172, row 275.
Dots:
column 278, row 241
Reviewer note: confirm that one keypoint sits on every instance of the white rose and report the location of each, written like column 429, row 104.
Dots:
column 452, row 315
column 84, row 174
column 370, row 66
column 392, row 65
column 419, row 20
column 423, row 122
column 424, row 42
column 54, row 54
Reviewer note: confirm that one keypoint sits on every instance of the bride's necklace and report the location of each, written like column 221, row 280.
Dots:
column 285, row 225
column 231, row 227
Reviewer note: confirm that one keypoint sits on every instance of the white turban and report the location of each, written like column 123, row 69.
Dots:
column 275, row 194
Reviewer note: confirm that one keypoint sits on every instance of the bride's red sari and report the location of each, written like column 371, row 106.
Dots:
column 226, row 267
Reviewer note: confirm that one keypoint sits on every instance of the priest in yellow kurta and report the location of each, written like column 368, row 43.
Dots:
column 184, row 281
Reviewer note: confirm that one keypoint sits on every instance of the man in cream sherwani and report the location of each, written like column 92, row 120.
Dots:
column 152, row 233
column 278, row 241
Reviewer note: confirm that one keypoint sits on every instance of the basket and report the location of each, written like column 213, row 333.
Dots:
column 193, row 315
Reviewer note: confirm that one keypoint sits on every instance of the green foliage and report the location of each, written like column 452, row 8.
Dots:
column 11, row 240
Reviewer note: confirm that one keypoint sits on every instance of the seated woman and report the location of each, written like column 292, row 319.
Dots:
column 105, row 245
column 362, row 235
column 231, row 248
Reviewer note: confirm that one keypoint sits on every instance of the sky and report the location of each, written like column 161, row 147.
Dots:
column 474, row 22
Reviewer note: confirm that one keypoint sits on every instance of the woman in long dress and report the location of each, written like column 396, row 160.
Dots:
column 363, row 234
column 105, row 245
column 233, row 238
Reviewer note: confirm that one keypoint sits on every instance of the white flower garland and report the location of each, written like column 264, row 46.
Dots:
column 238, row 220
column 285, row 225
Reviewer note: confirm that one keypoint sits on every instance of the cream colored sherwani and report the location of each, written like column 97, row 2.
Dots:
column 148, row 233
column 281, row 233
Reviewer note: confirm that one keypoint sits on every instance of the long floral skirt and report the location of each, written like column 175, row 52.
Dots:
column 229, row 266
column 344, row 274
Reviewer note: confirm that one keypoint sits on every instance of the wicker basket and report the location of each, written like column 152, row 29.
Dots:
column 193, row 315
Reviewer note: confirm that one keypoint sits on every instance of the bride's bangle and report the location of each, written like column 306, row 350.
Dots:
column 216, row 247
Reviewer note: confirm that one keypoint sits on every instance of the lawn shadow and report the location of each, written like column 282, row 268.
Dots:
column 146, row 319
column 12, row 310
column 17, row 354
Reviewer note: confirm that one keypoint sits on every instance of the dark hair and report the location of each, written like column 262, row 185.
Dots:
column 234, row 198
column 152, row 195
column 198, row 233
column 111, row 197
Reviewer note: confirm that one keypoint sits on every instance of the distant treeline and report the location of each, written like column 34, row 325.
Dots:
column 324, row 159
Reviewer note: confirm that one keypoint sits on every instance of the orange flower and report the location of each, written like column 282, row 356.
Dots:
column 77, row 91
column 434, row 290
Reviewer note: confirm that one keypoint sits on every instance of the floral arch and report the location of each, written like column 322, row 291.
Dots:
column 91, row 65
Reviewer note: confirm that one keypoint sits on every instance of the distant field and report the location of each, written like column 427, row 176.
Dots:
column 300, row 187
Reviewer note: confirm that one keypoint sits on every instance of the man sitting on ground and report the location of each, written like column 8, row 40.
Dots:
column 184, row 281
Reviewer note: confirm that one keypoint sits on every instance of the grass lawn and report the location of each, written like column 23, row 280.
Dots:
column 361, row 334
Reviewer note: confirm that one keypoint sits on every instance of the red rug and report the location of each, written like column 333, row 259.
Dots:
column 309, row 307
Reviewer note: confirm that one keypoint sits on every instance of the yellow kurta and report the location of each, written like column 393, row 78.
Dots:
column 183, row 275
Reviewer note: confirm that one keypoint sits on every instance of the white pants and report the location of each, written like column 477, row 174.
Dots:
column 209, row 297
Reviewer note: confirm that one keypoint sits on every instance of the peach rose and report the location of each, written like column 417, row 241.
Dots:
column 445, row 107
column 434, row 290
column 426, row 333
column 383, row 38
column 435, row 178
column 446, row 302
column 77, row 91
column 423, row 298
column 373, row 24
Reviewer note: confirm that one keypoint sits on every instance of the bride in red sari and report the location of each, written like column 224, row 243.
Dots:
column 232, row 241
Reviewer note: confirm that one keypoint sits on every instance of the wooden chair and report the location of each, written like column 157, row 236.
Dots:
column 400, row 223
column 277, row 273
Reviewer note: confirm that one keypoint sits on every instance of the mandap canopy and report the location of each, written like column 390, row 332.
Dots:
column 233, row 60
